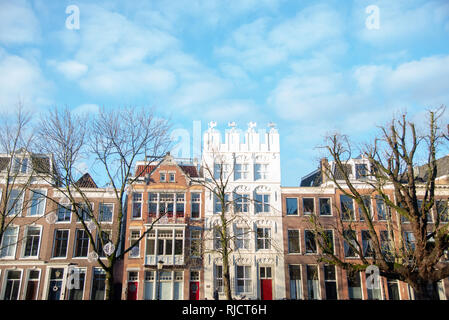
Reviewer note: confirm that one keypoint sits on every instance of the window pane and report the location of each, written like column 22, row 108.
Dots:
column 292, row 206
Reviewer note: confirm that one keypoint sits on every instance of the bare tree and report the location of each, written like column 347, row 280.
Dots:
column 17, row 171
column 405, row 189
column 116, row 139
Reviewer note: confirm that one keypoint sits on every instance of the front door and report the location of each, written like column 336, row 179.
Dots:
column 55, row 284
column 132, row 290
column 194, row 290
column 266, row 288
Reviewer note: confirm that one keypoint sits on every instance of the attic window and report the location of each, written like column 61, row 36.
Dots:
column 162, row 177
column 19, row 165
column 171, row 177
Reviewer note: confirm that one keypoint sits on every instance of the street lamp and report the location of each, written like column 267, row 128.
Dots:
column 160, row 264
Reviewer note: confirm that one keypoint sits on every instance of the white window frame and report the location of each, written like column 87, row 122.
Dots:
column 75, row 244
column 79, row 269
column 66, row 206
column 301, row 283
column 41, row 191
column 245, row 279
column 192, row 201
column 9, row 257
column 54, row 244
column 263, row 172
column 330, row 207
column 262, row 203
column 299, row 242
column 28, row 271
column 336, row 280
column 131, row 238
column 24, row 241
column 264, row 238
column 319, row 281
column 99, row 212
column 141, row 205
column 302, row 205
column 5, row 280
column 244, row 238
column 17, row 202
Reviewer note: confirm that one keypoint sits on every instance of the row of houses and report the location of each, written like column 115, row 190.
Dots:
column 274, row 250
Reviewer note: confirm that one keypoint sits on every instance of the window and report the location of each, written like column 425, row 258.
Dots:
column 217, row 238
column 15, row 203
column 37, row 203
column 167, row 242
column 196, row 205
column 327, row 241
column 293, row 241
column 151, row 243
column 349, row 239
column 367, row 203
column 409, row 240
column 241, row 203
column 105, row 235
column 19, row 165
column 347, row 207
column 165, row 283
column 171, row 177
column 373, row 289
column 309, row 239
column 260, row 171
column 221, row 171
column 152, row 204
column 84, row 211
column 295, row 281
column 32, row 240
column 325, row 206
column 32, row 285
column 292, row 206
column 134, row 237
column 64, row 212
column 106, row 210
column 385, row 245
column 137, row 205
column 313, row 285
column 195, row 243
column 381, row 208
column 219, row 278
column 367, row 244
column 162, row 177
column 180, row 198
column 308, row 205
column 330, row 282
column 60, row 243
column 9, row 242
column 393, row 290
column 442, row 210
column 12, row 287
column 178, row 284
column 241, row 171
column 217, row 205
column 354, row 286
column 166, row 204
column 98, row 284
column 76, row 289
column 149, row 285
column 263, row 238
column 243, row 276
column 242, row 238
column 361, row 171
column 262, row 203
column 81, row 243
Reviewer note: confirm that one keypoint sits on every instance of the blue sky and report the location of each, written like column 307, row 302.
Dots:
column 312, row 67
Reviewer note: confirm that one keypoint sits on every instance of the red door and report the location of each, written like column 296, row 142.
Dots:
column 132, row 290
column 194, row 290
column 267, row 291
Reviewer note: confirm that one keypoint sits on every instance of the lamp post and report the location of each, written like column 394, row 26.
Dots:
column 160, row 264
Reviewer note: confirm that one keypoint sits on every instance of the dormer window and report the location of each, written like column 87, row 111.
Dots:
column 361, row 171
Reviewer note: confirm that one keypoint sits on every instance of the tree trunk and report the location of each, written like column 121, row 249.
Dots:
column 226, row 277
column 425, row 290
column 109, row 284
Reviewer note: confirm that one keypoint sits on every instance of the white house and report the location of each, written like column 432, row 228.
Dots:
column 252, row 159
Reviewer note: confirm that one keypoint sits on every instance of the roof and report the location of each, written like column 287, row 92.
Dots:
column 313, row 179
column 86, row 181
column 339, row 175
column 39, row 164
column 442, row 169
column 190, row 171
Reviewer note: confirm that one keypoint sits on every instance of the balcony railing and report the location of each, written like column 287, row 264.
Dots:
column 169, row 260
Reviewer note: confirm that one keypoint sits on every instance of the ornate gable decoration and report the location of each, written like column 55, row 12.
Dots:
column 242, row 158
column 242, row 189
column 262, row 189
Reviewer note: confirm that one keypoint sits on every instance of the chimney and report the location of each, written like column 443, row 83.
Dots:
column 324, row 165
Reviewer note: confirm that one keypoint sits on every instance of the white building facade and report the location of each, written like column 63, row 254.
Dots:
column 251, row 160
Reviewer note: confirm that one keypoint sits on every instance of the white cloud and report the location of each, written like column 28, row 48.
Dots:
column 70, row 69
column 18, row 23
column 21, row 79
column 86, row 109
